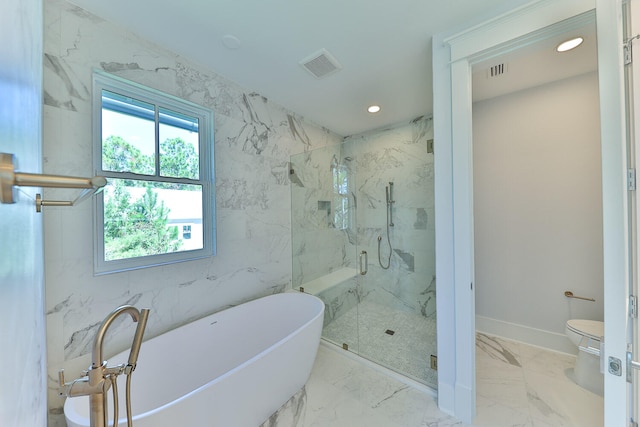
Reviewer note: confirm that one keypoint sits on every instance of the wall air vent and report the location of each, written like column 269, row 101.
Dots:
column 321, row 64
column 497, row 70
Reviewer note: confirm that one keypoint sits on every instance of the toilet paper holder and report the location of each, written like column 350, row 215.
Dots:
column 570, row 294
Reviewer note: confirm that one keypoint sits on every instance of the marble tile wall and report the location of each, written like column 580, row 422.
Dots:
column 319, row 247
column 254, row 139
column 397, row 155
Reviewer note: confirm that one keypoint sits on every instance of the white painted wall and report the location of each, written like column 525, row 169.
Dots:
column 538, row 210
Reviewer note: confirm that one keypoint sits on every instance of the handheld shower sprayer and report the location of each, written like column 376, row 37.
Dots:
column 390, row 202
column 389, row 197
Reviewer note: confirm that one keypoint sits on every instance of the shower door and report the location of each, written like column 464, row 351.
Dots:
column 396, row 319
column 363, row 241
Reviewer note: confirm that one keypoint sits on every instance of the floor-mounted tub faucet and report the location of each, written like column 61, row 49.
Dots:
column 98, row 379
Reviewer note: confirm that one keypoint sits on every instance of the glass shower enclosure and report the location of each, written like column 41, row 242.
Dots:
column 363, row 240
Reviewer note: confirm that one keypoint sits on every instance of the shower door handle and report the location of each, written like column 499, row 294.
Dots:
column 364, row 268
column 631, row 364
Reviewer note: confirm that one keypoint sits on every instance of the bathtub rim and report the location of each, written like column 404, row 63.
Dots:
column 75, row 417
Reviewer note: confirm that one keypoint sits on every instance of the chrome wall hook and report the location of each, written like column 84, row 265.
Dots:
column 9, row 179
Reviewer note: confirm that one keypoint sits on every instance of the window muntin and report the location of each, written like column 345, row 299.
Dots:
column 157, row 154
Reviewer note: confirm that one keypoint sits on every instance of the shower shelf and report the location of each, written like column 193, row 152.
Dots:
column 330, row 280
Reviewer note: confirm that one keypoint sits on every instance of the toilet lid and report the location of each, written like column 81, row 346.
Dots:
column 591, row 328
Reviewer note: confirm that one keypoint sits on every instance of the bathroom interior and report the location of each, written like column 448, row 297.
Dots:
column 348, row 219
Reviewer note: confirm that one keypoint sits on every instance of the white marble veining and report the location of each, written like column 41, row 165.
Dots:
column 254, row 139
column 517, row 386
column 397, row 155
column 344, row 393
column 522, row 385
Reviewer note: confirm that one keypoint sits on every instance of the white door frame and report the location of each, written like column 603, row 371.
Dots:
column 454, row 53
column 634, row 117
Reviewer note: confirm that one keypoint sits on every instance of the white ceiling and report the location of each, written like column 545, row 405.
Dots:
column 384, row 47
column 537, row 64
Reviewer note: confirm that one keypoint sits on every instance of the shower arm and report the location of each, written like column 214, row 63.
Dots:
column 9, row 179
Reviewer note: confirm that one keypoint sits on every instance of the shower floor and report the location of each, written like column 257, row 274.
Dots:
column 407, row 351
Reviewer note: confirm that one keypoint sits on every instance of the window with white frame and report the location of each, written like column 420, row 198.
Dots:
column 156, row 152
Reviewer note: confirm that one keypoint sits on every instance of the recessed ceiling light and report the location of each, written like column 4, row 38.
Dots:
column 373, row 109
column 569, row 44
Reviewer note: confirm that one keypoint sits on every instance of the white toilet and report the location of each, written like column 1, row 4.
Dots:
column 586, row 335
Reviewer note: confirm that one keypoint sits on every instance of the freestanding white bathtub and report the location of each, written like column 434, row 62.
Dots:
column 234, row 368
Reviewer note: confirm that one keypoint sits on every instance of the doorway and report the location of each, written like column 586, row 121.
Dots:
column 537, row 228
column 454, row 53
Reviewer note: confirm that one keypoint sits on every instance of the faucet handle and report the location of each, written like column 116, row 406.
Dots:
column 115, row 370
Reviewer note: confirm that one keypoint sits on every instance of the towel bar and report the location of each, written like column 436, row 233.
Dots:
column 569, row 294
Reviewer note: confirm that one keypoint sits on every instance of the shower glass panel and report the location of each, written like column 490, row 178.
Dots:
column 367, row 206
column 323, row 225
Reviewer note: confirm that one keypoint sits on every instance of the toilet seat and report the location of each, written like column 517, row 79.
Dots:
column 593, row 329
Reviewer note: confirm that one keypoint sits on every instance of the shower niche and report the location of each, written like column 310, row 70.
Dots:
column 363, row 240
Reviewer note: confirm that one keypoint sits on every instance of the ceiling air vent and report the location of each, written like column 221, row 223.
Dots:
column 497, row 70
column 321, row 64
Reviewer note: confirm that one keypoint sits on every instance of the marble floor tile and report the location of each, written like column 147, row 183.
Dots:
column 540, row 361
column 535, row 392
column 343, row 392
column 493, row 413
column 407, row 350
column 551, row 398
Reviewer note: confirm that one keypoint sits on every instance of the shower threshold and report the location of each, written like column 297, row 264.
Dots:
column 398, row 376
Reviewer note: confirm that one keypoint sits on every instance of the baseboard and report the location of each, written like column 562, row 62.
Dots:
column 465, row 403
column 525, row 334
column 447, row 398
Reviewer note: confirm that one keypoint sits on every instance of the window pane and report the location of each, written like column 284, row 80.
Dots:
column 179, row 141
column 128, row 134
column 145, row 218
